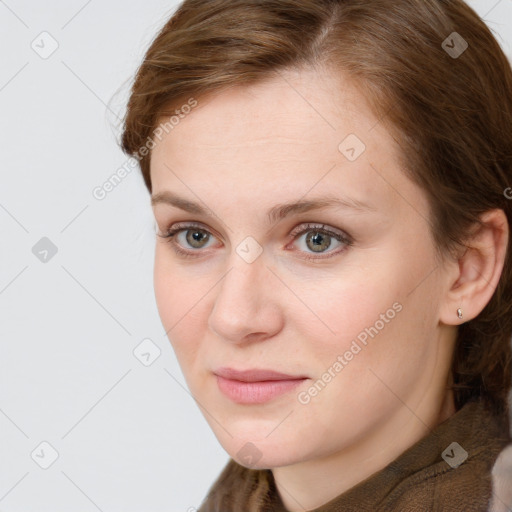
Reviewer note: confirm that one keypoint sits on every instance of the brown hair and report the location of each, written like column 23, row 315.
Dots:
column 451, row 114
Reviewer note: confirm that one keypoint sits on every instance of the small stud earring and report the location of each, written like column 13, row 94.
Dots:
column 459, row 313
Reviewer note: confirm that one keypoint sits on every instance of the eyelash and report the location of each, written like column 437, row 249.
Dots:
column 318, row 228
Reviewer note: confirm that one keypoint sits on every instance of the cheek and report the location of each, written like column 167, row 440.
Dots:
column 366, row 312
column 339, row 308
column 178, row 300
column 176, row 289
column 166, row 288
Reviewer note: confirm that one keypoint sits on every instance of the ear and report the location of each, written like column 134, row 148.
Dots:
column 474, row 276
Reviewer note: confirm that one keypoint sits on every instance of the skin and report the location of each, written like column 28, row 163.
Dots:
column 243, row 151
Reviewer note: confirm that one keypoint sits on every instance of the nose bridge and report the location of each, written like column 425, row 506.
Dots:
column 241, row 287
column 248, row 269
column 242, row 304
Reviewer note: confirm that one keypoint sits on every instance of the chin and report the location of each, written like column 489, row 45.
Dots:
column 265, row 462
column 262, row 453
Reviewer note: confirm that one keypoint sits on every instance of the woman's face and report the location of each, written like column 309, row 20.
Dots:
column 346, row 296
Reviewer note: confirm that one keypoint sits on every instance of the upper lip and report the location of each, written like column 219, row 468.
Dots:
column 255, row 375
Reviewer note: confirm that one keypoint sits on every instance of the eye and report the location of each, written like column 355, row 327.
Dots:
column 319, row 239
column 187, row 235
column 189, row 238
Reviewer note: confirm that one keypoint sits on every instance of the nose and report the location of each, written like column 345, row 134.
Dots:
column 246, row 306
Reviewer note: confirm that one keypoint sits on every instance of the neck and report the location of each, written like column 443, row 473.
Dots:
column 334, row 474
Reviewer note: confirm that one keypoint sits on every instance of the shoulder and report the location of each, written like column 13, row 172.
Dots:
column 502, row 482
column 468, row 463
column 236, row 487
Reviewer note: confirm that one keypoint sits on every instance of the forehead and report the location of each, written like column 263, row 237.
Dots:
column 287, row 135
column 301, row 107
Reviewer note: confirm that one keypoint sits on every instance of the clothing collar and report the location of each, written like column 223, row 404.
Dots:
column 447, row 468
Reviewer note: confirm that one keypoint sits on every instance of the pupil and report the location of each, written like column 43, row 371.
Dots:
column 194, row 238
column 319, row 241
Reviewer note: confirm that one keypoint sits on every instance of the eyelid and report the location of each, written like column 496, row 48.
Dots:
column 185, row 226
column 301, row 229
column 339, row 235
column 304, row 227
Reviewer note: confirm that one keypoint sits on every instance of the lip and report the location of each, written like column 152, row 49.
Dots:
column 255, row 375
column 255, row 386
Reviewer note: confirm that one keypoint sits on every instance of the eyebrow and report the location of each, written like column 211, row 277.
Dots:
column 276, row 213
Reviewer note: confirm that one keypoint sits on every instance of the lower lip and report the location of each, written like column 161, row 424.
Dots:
column 255, row 392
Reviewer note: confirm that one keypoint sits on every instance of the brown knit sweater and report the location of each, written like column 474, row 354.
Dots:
column 418, row 480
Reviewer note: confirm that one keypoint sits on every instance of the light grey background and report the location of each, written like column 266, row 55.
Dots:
column 129, row 437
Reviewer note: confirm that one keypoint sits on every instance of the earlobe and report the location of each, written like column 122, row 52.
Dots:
column 475, row 278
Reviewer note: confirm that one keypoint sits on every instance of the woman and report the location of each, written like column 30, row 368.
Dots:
column 331, row 184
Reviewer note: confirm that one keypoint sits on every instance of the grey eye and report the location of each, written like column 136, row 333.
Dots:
column 196, row 237
column 318, row 241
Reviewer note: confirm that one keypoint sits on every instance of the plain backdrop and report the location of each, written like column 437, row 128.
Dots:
column 85, row 424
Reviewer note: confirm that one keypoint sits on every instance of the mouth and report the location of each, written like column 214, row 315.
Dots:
column 255, row 386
